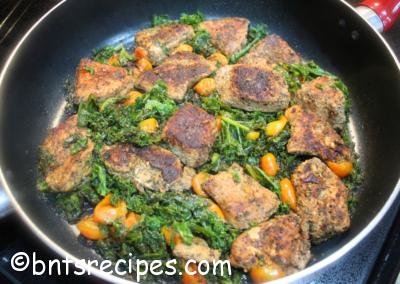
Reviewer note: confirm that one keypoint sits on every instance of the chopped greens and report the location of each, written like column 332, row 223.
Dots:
column 201, row 43
column 89, row 69
column 103, row 55
column 160, row 20
column 255, row 34
column 75, row 143
column 192, row 19
column 111, row 122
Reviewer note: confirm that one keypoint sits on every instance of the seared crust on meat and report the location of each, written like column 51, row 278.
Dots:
column 180, row 72
column 101, row 81
column 242, row 199
column 252, row 88
column 282, row 240
column 312, row 135
column 324, row 98
column 271, row 50
column 322, row 200
column 150, row 167
column 160, row 39
column 198, row 250
column 64, row 171
column 191, row 133
column 229, row 35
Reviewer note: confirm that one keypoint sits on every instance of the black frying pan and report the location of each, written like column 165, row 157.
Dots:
column 328, row 32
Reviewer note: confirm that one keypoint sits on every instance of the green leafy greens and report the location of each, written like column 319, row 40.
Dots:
column 111, row 122
column 255, row 34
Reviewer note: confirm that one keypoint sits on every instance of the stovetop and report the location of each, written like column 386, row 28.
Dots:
column 375, row 260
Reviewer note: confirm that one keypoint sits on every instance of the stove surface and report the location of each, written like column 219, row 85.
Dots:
column 375, row 260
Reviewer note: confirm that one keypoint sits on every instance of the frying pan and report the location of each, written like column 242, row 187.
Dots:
column 329, row 32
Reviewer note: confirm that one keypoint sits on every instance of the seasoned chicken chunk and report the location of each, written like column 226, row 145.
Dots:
column 65, row 156
column 150, row 167
column 252, row 88
column 242, row 199
column 282, row 241
column 312, row 135
column 101, row 81
column 160, row 40
column 191, row 132
column 198, row 250
column 229, row 35
column 322, row 200
column 271, row 50
column 179, row 71
column 323, row 97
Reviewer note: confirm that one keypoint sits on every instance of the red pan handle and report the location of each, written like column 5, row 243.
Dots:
column 386, row 11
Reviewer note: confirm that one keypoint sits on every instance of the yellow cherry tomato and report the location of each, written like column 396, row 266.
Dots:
column 341, row 169
column 149, row 125
column 219, row 58
column 205, row 87
column 253, row 135
column 132, row 97
column 198, row 181
column 275, row 127
column 183, row 47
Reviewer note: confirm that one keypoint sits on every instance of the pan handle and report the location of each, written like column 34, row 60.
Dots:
column 5, row 204
column 381, row 14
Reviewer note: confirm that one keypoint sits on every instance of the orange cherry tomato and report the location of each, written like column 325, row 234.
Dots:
column 198, row 181
column 105, row 213
column 269, row 164
column 131, row 220
column 266, row 272
column 216, row 209
column 288, row 194
column 196, row 278
column 90, row 229
column 140, row 53
column 341, row 169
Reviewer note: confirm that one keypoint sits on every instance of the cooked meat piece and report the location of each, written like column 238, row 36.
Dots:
column 229, row 35
column 191, row 132
column 160, row 40
column 101, row 81
column 252, row 88
column 180, row 72
column 198, row 250
column 64, row 169
column 312, row 135
column 270, row 50
column 322, row 200
column 324, row 98
column 150, row 167
column 242, row 199
column 282, row 240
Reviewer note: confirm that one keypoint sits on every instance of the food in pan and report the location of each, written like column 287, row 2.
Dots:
column 209, row 139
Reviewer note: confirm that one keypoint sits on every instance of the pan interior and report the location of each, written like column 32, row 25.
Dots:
column 32, row 96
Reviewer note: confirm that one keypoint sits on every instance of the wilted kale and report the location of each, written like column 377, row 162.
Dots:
column 201, row 43
column 192, row 19
column 255, row 34
column 75, row 143
column 70, row 205
column 112, row 122
column 102, row 55
column 160, row 20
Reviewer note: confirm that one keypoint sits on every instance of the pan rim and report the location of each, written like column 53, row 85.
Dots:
column 325, row 262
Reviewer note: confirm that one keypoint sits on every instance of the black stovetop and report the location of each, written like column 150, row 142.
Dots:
column 375, row 260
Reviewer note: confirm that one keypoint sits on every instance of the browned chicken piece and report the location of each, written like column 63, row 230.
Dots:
column 312, row 135
column 198, row 250
column 150, row 167
column 323, row 97
column 191, row 133
column 229, row 35
column 271, row 50
column 101, row 81
column 179, row 71
column 252, row 88
column 282, row 240
column 322, row 200
column 161, row 40
column 242, row 199
column 65, row 168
